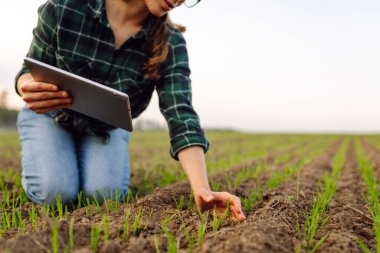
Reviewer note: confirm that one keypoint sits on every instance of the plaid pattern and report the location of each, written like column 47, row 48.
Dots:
column 76, row 36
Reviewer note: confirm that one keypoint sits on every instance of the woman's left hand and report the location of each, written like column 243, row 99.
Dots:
column 207, row 200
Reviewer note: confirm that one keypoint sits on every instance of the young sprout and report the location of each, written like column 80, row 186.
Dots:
column 129, row 197
column 136, row 224
column 14, row 219
column 54, row 236
column 190, row 202
column 21, row 222
column 202, row 227
column 156, row 244
column 79, row 197
column 126, row 224
column 179, row 204
column 59, row 206
column 190, row 239
column 249, row 202
column 95, row 234
column 172, row 242
column 106, row 227
column 215, row 186
column 217, row 222
column 96, row 203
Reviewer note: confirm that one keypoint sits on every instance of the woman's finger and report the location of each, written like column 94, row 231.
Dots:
column 236, row 209
column 235, row 204
column 33, row 86
column 48, row 103
column 206, row 195
column 38, row 96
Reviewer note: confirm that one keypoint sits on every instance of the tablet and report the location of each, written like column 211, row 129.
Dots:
column 90, row 98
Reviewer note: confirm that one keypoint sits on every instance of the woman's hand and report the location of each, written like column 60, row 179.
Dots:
column 207, row 200
column 42, row 97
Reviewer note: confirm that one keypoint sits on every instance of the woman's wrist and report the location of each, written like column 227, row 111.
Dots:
column 193, row 163
column 23, row 78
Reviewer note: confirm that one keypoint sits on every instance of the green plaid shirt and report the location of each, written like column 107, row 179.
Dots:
column 76, row 36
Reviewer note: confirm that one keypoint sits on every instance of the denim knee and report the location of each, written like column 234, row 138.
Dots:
column 48, row 191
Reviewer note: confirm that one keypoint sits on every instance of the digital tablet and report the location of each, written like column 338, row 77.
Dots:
column 90, row 98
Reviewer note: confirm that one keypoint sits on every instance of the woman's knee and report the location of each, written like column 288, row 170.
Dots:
column 50, row 191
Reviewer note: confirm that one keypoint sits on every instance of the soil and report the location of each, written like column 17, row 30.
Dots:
column 349, row 217
column 273, row 225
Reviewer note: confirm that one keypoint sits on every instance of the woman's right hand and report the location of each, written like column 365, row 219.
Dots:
column 42, row 97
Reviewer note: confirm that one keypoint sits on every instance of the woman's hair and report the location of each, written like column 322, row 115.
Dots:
column 157, row 45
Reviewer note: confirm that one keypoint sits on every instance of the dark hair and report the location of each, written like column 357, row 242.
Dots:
column 157, row 45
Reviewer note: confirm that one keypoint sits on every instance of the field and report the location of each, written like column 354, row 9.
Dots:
column 300, row 193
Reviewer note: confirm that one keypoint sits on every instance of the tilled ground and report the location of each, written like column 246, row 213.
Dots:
column 349, row 217
column 156, row 207
column 273, row 225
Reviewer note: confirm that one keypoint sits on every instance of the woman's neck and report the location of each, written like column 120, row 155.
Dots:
column 133, row 12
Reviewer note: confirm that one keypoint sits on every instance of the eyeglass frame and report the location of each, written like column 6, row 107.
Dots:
column 191, row 6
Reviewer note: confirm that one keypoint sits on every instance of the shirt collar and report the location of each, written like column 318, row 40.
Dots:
column 96, row 9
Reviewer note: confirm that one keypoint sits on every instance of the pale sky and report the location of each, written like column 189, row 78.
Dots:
column 268, row 65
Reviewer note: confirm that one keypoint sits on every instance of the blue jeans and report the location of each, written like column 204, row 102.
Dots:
column 54, row 162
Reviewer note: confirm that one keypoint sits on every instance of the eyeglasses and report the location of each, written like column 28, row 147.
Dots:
column 191, row 3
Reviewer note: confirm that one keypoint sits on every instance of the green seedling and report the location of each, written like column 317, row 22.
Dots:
column 106, row 227
column 216, row 221
column 202, row 227
column 126, row 224
column 59, row 206
column 172, row 242
column 190, row 239
column 137, row 223
column 179, row 203
column 190, row 202
column 95, row 235
column 79, row 198
column 249, row 202
column 363, row 246
column 54, row 236
column 97, row 206
column 156, row 244
column 215, row 186
column 21, row 222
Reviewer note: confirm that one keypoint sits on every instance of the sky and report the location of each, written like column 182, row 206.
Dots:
column 258, row 65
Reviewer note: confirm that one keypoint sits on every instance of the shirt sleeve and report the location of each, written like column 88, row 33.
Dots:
column 175, row 100
column 43, row 46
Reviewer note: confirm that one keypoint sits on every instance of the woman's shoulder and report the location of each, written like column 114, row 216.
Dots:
column 175, row 36
column 78, row 6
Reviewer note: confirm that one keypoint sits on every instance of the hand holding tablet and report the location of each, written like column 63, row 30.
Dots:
column 88, row 97
column 42, row 97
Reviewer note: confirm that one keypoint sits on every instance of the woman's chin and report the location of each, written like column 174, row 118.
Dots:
column 158, row 13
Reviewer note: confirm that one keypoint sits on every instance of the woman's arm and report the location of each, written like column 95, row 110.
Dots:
column 192, row 160
column 42, row 97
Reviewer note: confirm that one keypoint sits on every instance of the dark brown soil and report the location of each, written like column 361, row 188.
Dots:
column 272, row 226
column 156, row 207
column 349, row 217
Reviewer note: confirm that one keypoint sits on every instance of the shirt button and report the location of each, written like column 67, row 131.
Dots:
column 108, row 25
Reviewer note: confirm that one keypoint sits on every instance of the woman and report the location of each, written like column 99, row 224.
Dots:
column 129, row 45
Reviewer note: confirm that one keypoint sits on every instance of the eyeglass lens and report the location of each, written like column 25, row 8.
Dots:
column 191, row 3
